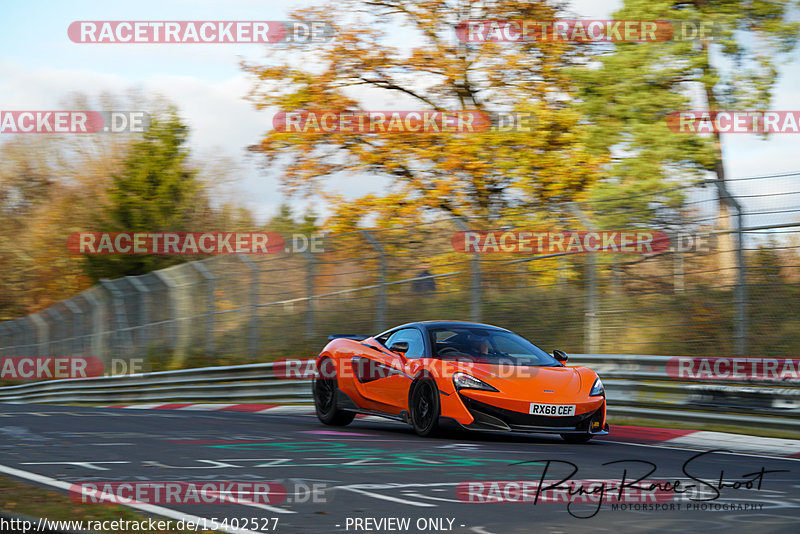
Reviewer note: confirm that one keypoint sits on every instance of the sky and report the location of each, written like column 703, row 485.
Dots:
column 40, row 67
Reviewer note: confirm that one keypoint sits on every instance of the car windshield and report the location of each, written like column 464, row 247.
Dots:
column 483, row 345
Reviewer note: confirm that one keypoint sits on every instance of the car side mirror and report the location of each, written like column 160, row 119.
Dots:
column 400, row 347
column 560, row 355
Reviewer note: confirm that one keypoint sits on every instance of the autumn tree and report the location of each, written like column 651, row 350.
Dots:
column 52, row 185
column 473, row 175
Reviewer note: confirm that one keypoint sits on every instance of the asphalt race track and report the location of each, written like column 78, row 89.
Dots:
column 380, row 477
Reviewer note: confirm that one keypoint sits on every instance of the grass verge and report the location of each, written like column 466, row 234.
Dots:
column 23, row 499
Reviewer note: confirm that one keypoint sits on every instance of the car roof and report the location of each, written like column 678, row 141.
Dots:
column 446, row 324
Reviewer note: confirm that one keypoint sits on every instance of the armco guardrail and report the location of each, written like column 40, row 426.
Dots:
column 737, row 392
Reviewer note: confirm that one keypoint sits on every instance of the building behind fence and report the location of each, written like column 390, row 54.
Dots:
column 228, row 309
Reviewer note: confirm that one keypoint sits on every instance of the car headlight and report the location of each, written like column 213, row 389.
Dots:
column 597, row 389
column 465, row 381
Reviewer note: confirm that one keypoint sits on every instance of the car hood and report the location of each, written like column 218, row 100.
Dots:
column 534, row 383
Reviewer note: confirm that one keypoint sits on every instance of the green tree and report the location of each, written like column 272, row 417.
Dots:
column 630, row 95
column 155, row 191
column 286, row 222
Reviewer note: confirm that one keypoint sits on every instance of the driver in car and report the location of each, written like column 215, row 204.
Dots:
column 480, row 345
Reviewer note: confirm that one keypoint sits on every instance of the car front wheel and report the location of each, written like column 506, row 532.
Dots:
column 425, row 408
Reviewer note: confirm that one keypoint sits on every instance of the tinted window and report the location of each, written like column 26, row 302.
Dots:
column 412, row 336
column 483, row 345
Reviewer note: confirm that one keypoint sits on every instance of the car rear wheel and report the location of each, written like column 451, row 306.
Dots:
column 325, row 389
column 425, row 408
column 576, row 438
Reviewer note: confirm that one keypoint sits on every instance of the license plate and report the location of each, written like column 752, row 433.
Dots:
column 552, row 410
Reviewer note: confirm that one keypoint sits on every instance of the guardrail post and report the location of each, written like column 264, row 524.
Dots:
column 380, row 305
column 591, row 311
column 252, row 330
column 210, row 287
column 9, row 337
column 144, row 310
column 124, row 343
column 678, row 272
column 59, row 337
column 173, row 308
column 475, row 311
column 77, row 326
column 42, row 333
column 10, row 348
column 28, row 335
column 741, row 322
column 96, row 336
column 19, row 337
column 310, row 302
column 742, row 326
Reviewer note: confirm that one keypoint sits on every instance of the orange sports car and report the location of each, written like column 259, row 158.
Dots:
column 479, row 376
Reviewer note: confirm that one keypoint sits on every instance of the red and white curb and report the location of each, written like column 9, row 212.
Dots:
column 678, row 438
column 272, row 409
column 706, row 440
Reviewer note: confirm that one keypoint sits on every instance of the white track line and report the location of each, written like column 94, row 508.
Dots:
column 144, row 406
column 698, row 439
column 204, row 407
column 149, row 508
column 387, row 497
column 757, row 444
column 288, row 410
column 695, row 449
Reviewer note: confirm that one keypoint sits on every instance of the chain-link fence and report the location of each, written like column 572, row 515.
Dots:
column 725, row 286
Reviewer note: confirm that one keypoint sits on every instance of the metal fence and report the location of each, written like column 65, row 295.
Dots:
column 735, row 295
column 641, row 387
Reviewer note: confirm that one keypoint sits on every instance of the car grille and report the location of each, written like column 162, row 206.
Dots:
column 523, row 421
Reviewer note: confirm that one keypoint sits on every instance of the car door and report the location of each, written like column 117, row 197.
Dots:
column 382, row 375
